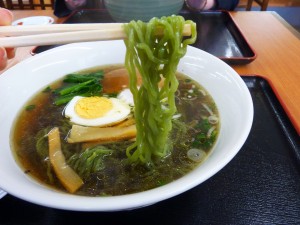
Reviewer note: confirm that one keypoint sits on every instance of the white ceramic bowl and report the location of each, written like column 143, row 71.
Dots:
column 126, row 10
column 22, row 81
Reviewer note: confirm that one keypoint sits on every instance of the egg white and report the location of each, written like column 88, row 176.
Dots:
column 118, row 113
column 126, row 96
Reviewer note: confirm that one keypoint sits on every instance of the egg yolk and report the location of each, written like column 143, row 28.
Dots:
column 93, row 107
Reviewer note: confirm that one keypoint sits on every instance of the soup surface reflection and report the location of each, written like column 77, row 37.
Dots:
column 104, row 166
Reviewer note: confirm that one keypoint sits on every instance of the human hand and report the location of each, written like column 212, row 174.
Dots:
column 75, row 4
column 199, row 5
column 6, row 18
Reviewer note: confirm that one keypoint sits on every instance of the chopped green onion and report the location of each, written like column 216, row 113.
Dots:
column 30, row 107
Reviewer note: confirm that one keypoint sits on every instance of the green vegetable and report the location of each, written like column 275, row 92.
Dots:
column 89, row 161
column 202, row 140
column 42, row 149
column 47, row 89
column 80, row 85
column 76, row 88
column 79, row 78
column 179, row 131
column 204, row 125
column 154, row 56
column 30, row 107
column 42, row 143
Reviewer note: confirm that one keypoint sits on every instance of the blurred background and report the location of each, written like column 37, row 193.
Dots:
column 287, row 9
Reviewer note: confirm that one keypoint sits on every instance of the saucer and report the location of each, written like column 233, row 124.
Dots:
column 34, row 20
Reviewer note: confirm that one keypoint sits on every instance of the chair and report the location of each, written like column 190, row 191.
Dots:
column 2, row 5
column 29, row 4
column 262, row 3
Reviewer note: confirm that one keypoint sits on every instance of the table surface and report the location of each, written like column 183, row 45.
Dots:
column 272, row 198
column 276, row 44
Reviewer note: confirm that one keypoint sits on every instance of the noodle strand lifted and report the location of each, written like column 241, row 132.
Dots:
column 155, row 57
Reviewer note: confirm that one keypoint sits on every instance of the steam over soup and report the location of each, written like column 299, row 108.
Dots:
column 96, row 152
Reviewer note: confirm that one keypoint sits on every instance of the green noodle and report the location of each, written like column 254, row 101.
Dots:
column 155, row 57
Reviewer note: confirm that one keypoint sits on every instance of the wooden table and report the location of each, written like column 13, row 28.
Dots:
column 278, row 54
column 277, row 46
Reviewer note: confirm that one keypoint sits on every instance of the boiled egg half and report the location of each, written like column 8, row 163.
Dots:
column 96, row 111
column 126, row 96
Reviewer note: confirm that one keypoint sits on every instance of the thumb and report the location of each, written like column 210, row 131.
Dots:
column 6, row 17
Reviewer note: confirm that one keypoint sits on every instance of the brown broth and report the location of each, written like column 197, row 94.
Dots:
column 118, row 176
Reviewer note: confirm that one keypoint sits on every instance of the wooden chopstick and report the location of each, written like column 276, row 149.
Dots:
column 56, row 28
column 61, row 38
column 64, row 33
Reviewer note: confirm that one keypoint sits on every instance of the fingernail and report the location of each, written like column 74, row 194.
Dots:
column 3, row 58
column 10, row 53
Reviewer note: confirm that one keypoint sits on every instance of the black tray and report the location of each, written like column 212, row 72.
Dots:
column 261, row 185
column 217, row 33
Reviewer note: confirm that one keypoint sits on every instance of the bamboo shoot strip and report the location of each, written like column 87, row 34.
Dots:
column 67, row 176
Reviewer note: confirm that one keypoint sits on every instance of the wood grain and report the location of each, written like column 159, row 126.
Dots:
column 278, row 57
